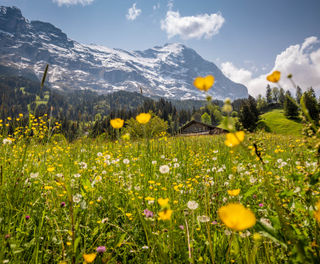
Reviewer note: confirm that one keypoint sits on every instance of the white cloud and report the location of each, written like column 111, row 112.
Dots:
column 302, row 61
column 192, row 26
column 133, row 12
column 73, row 2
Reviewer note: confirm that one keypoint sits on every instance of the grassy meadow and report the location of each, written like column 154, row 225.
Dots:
column 157, row 200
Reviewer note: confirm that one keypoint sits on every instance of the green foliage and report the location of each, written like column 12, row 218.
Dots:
column 249, row 114
column 205, row 118
column 291, row 109
column 154, row 128
column 310, row 103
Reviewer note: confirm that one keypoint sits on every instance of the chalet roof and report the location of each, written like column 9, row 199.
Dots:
column 196, row 122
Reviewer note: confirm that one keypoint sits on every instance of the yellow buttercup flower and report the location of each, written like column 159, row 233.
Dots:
column 165, row 214
column 89, row 258
column 234, row 139
column 116, row 123
column 143, row 118
column 234, row 192
column 204, row 83
column 163, row 202
column 237, row 217
column 317, row 212
column 274, row 77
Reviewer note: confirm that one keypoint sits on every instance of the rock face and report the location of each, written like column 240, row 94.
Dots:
column 166, row 71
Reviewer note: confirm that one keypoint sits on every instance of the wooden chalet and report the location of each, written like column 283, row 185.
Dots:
column 198, row 128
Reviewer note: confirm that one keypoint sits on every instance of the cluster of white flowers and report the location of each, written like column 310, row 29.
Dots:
column 192, row 205
column 6, row 141
column 164, row 169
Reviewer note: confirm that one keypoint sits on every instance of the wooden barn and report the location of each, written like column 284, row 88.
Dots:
column 198, row 128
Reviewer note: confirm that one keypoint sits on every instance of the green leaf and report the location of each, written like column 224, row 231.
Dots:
column 121, row 240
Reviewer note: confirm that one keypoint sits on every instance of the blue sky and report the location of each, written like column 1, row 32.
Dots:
column 243, row 37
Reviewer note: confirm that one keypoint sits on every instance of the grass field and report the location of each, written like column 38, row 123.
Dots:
column 279, row 124
column 61, row 202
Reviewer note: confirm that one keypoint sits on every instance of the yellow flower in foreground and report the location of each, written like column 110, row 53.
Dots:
column 204, row 83
column 116, row 123
column 237, row 217
column 89, row 258
column 317, row 212
column 163, row 202
column 50, row 169
column 143, row 118
column 165, row 214
column 234, row 192
column 234, row 139
column 274, row 77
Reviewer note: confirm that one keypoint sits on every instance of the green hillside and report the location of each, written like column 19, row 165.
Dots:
column 279, row 124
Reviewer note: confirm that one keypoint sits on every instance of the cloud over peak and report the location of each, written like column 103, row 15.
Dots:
column 73, row 2
column 200, row 26
column 133, row 12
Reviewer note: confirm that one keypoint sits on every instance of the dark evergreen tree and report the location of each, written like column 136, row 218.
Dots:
column 249, row 114
column 298, row 94
column 291, row 109
column 269, row 94
column 310, row 101
column 282, row 96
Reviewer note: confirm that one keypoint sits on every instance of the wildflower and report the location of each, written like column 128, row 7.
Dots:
column 203, row 218
column 164, row 169
column 126, row 161
column 126, row 137
column 260, row 204
column 116, row 123
column 163, row 202
column 234, row 192
column 101, row 249
column 143, row 118
column 6, row 141
column 237, row 217
column 77, row 198
column 274, row 77
column 89, row 258
column 145, row 247
column 192, row 205
column 234, row 139
column 50, row 169
column 27, row 217
column 165, row 214
column 77, row 175
column 204, row 83
column 148, row 213
column 63, row 204
column 181, row 227
column 34, row 175
column 317, row 212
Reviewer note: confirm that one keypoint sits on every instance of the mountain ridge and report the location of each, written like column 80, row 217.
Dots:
column 162, row 71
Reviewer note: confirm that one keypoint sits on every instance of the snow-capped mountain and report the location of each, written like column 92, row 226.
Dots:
column 166, row 71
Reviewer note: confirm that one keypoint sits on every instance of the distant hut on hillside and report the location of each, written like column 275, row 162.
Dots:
column 198, row 128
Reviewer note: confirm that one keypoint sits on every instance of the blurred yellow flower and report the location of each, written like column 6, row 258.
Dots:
column 234, row 139
column 163, row 202
column 89, row 258
column 204, row 83
column 274, row 77
column 165, row 214
column 317, row 212
column 50, row 169
column 234, row 192
column 143, row 118
column 237, row 217
column 116, row 123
